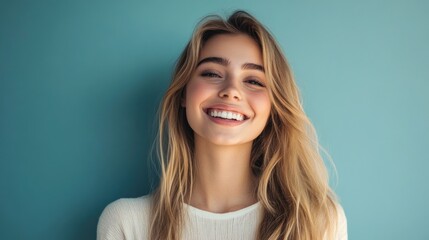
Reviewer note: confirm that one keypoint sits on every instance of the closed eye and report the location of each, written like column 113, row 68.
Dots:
column 255, row 82
column 210, row 75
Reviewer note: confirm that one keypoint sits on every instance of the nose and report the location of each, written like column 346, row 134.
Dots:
column 229, row 90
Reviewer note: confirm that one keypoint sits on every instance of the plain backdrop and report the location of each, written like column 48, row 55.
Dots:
column 80, row 82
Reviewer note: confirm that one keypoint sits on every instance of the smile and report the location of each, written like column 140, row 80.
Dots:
column 225, row 114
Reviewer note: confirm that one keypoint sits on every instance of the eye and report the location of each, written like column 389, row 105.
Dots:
column 255, row 82
column 210, row 74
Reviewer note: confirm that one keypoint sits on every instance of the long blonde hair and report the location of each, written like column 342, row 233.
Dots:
column 293, row 181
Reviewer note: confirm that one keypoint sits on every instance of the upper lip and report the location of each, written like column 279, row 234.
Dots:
column 225, row 107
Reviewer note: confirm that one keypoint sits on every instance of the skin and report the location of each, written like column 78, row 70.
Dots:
column 224, row 181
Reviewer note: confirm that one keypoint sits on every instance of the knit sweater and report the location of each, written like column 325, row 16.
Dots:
column 129, row 219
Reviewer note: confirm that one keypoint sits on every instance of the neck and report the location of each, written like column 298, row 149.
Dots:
column 223, row 178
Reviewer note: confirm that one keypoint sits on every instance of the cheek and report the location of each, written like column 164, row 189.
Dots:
column 261, row 104
column 196, row 92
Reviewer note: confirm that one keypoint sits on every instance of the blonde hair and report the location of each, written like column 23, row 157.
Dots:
column 293, row 181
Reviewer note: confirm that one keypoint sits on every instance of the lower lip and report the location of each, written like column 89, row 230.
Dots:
column 226, row 122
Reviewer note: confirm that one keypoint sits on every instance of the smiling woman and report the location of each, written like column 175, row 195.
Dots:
column 239, row 157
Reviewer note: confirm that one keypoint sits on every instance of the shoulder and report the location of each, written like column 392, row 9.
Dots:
column 342, row 224
column 126, row 206
column 124, row 218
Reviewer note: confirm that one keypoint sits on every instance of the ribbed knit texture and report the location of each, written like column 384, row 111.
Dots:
column 129, row 219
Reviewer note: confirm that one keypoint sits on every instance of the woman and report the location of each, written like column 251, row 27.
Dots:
column 239, row 157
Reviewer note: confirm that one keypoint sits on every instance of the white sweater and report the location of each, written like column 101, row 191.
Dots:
column 129, row 219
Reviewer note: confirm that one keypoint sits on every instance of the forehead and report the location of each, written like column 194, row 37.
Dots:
column 235, row 47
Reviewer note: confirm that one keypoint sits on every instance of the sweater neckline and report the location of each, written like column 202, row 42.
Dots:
column 227, row 215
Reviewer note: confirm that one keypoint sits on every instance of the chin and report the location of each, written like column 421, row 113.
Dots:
column 229, row 141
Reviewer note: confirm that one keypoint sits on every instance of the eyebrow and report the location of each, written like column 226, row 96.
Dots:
column 225, row 62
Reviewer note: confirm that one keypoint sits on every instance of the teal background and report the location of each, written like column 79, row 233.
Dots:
column 80, row 82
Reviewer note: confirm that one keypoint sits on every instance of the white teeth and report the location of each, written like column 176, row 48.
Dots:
column 226, row 115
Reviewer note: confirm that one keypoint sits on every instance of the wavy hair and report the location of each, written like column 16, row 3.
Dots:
column 293, row 185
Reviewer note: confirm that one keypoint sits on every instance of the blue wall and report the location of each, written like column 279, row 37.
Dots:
column 80, row 82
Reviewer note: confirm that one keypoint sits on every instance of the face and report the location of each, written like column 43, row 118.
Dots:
column 227, row 100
